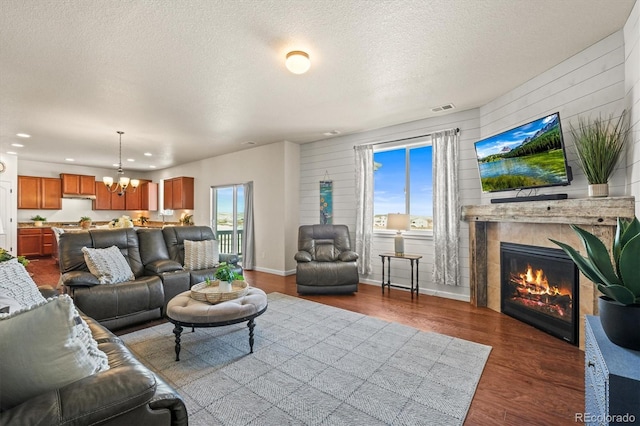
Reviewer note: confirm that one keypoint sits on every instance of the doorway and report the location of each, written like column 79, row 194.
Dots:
column 228, row 217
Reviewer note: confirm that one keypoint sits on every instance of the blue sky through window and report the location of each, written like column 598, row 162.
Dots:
column 390, row 178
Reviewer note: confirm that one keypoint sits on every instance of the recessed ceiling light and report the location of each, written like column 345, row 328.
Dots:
column 12, row 152
column 23, row 135
column 152, row 167
column 332, row 133
column 148, row 154
column 131, row 160
column 17, row 145
column 116, row 165
column 69, row 159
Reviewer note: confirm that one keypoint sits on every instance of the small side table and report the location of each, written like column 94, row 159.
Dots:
column 413, row 258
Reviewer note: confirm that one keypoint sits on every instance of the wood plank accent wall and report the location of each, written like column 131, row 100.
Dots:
column 631, row 32
column 591, row 82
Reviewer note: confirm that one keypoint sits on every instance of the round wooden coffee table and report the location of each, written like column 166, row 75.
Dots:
column 184, row 311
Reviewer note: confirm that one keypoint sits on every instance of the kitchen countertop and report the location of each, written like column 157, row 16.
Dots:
column 73, row 226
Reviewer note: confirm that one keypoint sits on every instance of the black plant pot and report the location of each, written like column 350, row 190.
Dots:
column 620, row 323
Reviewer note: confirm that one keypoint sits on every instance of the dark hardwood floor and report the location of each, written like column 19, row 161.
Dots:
column 530, row 378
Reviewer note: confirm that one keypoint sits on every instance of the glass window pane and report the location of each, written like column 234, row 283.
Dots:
column 388, row 185
column 421, row 188
column 224, row 219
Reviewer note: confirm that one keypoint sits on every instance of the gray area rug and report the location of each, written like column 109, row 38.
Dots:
column 316, row 365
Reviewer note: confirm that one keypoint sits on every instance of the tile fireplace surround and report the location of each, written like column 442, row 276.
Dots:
column 533, row 223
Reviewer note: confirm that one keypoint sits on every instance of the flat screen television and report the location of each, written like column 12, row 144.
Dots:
column 528, row 156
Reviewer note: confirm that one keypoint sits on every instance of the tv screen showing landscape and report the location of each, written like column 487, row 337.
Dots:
column 529, row 156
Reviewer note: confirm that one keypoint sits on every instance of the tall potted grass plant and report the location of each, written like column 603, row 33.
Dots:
column 598, row 145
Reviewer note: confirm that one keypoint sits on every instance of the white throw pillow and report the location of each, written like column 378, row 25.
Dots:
column 108, row 265
column 16, row 283
column 201, row 254
column 43, row 348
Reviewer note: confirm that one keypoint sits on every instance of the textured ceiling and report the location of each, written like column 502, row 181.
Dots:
column 196, row 78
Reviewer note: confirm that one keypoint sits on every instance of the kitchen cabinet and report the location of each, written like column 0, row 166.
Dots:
column 179, row 193
column 149, row 196
column 35, row 242
column 106, row 200
column 78, row 184
column 139, row 199
column 39, row 193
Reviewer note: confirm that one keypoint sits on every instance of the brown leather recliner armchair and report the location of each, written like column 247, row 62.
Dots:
column 326, row 263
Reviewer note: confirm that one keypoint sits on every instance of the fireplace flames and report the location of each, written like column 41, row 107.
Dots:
column 533, row 290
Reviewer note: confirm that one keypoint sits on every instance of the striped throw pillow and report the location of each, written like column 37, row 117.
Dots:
column 200, row 254
column 108, row 265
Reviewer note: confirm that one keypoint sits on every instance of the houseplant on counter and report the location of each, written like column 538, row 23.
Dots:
column 618, row 281
column 85, row 222
column 598, row 145
column 38, row 220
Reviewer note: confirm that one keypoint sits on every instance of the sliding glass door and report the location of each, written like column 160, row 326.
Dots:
column 228, row 217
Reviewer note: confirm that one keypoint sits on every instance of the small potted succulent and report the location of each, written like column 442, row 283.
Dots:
column 619, row 281
column 38, row 220
column 85, row 222
column 227, row 276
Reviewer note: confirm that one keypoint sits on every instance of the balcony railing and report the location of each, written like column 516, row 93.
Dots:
column 225, row 241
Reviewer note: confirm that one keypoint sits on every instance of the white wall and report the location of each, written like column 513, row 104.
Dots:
column 9, row 201
column 586, row 85
column 334, row 158
column 632, row 99
column 274, row 172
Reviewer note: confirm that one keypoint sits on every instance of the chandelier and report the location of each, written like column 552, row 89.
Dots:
column 123, row 182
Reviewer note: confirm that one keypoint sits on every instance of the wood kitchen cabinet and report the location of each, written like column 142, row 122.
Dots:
column 179, row 193
column 145, row 197
column 39, row 193
column 149, row 196
column 35, row 242
column 106, row 200
column 78, row 184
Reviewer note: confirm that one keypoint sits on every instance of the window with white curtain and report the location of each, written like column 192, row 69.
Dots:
column 403, row 184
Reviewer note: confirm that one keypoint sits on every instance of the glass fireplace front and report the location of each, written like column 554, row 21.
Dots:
column 539, row 286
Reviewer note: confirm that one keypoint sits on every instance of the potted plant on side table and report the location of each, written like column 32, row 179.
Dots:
column 38, row 220
column 619, row 282
column 598, row 145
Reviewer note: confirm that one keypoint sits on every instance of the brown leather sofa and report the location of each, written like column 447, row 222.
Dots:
column 325, row 262
column 126, row 394
column 155, row 257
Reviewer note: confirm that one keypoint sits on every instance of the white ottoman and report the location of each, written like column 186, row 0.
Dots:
column 183, row 311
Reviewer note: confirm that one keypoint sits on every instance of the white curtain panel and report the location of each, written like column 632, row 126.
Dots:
column 364, row 206
column 446, row 210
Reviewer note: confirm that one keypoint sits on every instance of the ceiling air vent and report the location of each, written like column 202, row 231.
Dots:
column 443, row 108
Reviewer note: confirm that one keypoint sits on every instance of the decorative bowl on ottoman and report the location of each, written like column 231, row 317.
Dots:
column 212, row 292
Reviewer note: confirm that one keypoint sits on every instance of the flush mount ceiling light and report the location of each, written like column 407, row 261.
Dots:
column 298, row 62
column 123, row 182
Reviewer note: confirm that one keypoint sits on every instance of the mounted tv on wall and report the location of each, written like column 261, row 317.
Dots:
column 529, row 156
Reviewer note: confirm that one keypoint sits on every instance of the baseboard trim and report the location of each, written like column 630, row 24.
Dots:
column 275, row 271
column 427, row 291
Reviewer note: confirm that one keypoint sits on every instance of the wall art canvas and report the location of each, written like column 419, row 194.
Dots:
column 326, row 202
